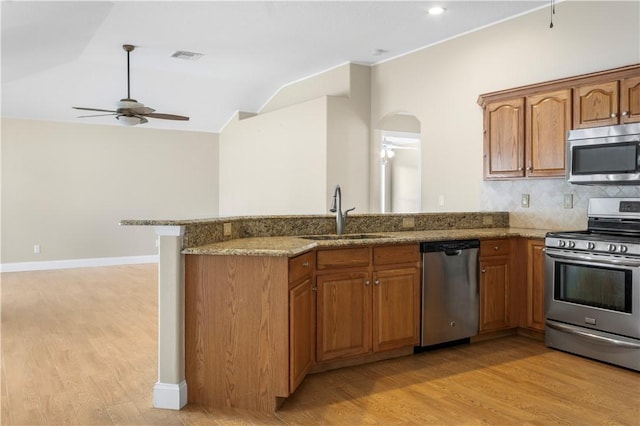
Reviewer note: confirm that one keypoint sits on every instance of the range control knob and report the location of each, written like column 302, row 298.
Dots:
column 623, row 249
column 561, row 243
column 612, row 247
column 572, row 244
column 591, row 245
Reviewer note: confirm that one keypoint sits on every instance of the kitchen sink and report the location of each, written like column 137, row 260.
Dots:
column 342, row 237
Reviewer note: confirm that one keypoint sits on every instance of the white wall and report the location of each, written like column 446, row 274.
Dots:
column 288, row 160
column 66, row 187
column 440, row 84
column 275, row 163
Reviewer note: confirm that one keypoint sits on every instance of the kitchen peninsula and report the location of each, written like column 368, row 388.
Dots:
column 240, row 312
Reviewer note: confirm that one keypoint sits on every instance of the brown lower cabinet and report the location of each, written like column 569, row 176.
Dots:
column 256, row 325
column 495, row 271
column 368, row 308
column 535, row 284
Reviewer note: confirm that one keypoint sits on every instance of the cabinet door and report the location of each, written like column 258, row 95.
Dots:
column 504, row 139
column 301, row 332
column 494, row 293
column 630, row 100
column 396, row 305
column 535, row 284
column 595, row 105
column 548, row 121
column 343, row 315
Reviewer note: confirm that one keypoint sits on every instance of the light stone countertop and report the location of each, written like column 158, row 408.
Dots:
column 290, row 246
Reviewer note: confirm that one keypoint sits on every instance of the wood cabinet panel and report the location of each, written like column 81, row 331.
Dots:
column 535, row 284
column 630, row 100
column 498, row 247
column 595, row 105
column 396, row 308
column 236, row 330
column 343, row 315
column 396, row 255
column 302, row 315
column 301, row 267
column 343, row 258
column 548, row 121
column 504, row 139
column 494, row 293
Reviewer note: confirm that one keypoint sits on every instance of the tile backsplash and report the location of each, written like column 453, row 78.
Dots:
column 546, row 201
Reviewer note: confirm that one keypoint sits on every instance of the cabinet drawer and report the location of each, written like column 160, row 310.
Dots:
column 343, row 258
column 301, row 267
column 393, row 255
column 494, row 247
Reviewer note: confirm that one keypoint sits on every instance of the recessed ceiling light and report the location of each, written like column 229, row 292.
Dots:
column 187, row 56
column 378, row 52
column 437, row 10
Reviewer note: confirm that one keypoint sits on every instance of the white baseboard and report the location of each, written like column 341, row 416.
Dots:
column 170, row 396
column 76, row 263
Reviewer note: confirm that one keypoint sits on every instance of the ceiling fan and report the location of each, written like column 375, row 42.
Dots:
column 129, row 111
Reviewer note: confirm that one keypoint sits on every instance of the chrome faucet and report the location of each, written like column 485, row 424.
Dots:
column 336, row 207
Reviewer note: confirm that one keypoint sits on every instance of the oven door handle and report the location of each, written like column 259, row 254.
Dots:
column 572, row 330
column 586, row 258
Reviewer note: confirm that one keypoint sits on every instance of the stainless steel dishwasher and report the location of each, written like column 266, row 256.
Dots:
column 450, row 300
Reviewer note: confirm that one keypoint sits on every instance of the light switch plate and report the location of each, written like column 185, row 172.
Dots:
column 226, row 229
column 524, row 201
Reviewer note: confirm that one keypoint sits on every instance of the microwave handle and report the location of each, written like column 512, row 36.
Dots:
column 578, row 256
column 578, row 332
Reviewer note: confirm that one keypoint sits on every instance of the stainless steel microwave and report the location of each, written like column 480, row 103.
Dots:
column 607, row 155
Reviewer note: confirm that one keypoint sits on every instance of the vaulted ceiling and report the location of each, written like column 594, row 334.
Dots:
column 56, row 55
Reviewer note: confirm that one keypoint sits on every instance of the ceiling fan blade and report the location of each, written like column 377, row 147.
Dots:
column 167, row 116
column 142, row 119
column 94, row 109
column 96, row 115
column 142, row 110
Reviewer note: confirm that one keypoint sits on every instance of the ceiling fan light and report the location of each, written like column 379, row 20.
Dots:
column 128, row 104
column 129, row 120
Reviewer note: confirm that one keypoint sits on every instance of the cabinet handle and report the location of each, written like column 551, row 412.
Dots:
column 377, row 282
column 366, row 282
column 305, row 265
column 529, row 168
column 520, row 169
column 496, row 248
column 314, row 288
column 483, row 270
column 614, row 115
column 625, row 113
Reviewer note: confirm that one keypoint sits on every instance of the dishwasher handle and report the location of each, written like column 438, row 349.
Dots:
column 450, row 248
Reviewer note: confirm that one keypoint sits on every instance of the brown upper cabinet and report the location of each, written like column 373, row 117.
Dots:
column 607, row 103
column 525, row 128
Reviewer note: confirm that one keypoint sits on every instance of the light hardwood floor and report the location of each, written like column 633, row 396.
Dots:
column 79, row 347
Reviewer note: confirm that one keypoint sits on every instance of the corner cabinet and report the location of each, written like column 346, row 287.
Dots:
column 302, row 318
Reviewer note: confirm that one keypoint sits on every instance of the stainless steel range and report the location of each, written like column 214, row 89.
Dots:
column 592, row 285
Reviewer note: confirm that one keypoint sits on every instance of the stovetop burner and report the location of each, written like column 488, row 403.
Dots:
column 613, row 228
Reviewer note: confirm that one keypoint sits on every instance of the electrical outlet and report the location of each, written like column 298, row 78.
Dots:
column 487, row 220
column 441, row 200
column 408, row 222
column 568, row 201
column 524, row 201
column 36, row 249
column 226, row 229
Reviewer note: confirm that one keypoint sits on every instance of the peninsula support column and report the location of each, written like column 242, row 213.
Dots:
column 170, row 391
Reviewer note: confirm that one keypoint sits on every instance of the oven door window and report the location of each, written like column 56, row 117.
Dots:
column 595, row 286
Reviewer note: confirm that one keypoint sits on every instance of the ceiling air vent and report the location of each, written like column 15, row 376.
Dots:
column 187, row 56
